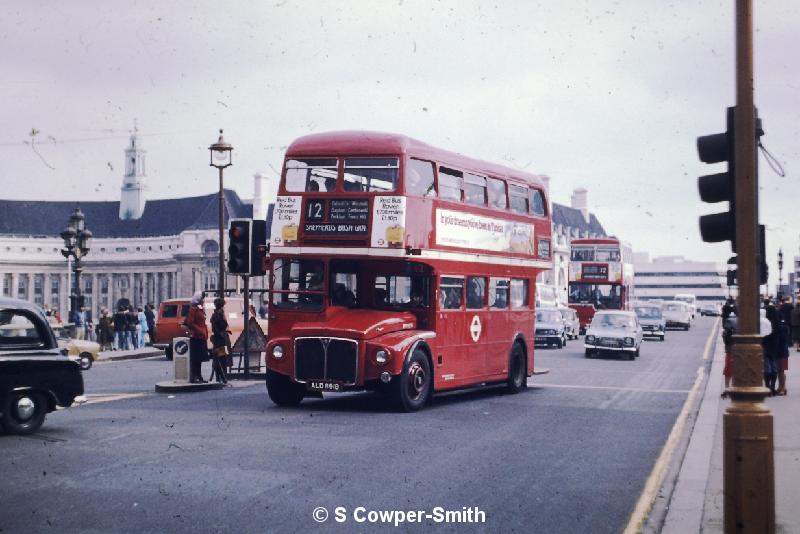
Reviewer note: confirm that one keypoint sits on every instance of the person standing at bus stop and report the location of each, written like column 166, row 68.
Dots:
column 198, row 338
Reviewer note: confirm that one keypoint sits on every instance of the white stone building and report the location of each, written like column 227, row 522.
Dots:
column 664, row 277
column 142, row 252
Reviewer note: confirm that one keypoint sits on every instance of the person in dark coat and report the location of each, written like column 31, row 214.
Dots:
column 770, row 344
column 120, row 328
column 150, row 317
column 105, row 330
column 796, row 323
column 198, row 338
column 131, row 322
column 220, row 340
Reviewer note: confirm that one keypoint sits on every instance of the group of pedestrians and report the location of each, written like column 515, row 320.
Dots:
column 198, row 340
column 780, row 330
column 128, row 328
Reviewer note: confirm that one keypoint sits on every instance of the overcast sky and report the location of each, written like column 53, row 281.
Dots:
column 606, row 95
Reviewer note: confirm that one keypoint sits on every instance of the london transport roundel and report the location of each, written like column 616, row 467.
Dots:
column 475, row 328
column 181, row 347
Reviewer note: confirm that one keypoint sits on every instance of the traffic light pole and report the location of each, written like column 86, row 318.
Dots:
column 749, row 478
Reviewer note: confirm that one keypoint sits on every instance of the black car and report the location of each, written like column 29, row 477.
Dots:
column 35, row 375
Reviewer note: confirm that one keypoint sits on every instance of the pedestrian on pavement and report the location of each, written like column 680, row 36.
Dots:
column 770, row 345
column 120, row 328
column 263, row 309
column 198, row 338
column 88, row 324
column 131, row 323
column 784, row 340
column 141, row 328
column 105, row 330
column 796, row 323
column 78, row 320
column 150, row 315
column 728, row 330
column 220, row 341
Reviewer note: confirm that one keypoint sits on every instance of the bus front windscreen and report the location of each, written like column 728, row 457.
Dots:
column 602, row 296
column 297, row 284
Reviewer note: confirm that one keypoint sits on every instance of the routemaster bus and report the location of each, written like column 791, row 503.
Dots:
column 401, row 268
column 600, row 277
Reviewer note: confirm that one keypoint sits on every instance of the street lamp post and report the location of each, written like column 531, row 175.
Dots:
column 77, row 243
column 221, row 157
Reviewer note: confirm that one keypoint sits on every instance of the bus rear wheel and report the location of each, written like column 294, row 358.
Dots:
column 412, row 388
column 516, row 370
column 282, row 391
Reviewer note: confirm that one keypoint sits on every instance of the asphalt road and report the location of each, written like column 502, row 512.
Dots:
column 570, row 454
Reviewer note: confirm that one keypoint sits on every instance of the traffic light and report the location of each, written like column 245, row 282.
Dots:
column 258, row 248
column 239, row 246
column 719, row 187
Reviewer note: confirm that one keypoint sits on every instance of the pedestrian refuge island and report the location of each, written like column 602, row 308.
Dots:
column 180, row 382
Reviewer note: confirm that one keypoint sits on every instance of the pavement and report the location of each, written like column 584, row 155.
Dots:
column 696, row 502
column 133, row 354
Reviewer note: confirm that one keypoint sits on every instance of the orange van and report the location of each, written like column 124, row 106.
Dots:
column 172, row 313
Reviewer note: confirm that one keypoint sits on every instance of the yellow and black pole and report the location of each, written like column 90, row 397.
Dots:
column 749, row 478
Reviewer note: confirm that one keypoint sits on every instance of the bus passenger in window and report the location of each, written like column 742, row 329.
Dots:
column 330, row 184
column 313, row 186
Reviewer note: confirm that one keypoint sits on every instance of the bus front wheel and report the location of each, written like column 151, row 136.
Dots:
column 282, row 391
column 413, row 387
column 516, row 369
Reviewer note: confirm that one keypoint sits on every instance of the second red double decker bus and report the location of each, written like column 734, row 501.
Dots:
column 600, row 277
column 400, row 267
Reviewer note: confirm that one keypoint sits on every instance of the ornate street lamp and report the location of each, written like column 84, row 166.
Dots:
column 221, row 157
column 77, row 243
column 780, row 273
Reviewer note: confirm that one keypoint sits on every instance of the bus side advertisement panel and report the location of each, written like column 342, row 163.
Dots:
column 470, row 230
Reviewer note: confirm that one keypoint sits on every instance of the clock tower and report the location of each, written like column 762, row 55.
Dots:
column 134, row 184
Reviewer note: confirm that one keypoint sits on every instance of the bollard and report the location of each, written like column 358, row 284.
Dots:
column 180, row 358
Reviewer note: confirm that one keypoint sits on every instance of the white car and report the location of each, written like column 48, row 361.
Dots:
column 690, row 300
column 549, row 328
column 677, row 314
column 613, row 332
column 572, row 324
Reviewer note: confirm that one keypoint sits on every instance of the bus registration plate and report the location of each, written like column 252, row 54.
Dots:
column 324, row 385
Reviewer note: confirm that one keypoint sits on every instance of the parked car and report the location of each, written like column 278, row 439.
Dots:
column 550, row 328
column 613, row 332
column 172, row 313
column 572, row 324
column 85, row 351
column 35, row 374
column 677, row 314
column 651, row 320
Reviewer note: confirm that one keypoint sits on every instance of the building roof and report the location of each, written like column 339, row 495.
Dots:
column 573, row 217
column 42, row 218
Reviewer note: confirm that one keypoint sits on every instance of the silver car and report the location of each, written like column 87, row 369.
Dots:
column 613, row 332
column 677, row 314
column 572, row 324
column 549, row 328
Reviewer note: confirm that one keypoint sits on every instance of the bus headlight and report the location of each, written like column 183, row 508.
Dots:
column 381, row 356
column 277, row 352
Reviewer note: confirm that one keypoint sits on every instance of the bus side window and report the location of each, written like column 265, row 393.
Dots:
column 497, row 194
column 519, row 293
column 498, row 293
column 451, row 291
column 474, row 189
column 476, row 292
column 419, row 178
column 449, row 183
column 537, row 203
column 519, row 198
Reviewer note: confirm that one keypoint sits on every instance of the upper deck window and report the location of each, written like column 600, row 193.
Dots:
column 311, row 174
column 607, row 254
column 519, row 198
column 497, row 194
column 419, row 178
column 450, row 183
column 537, row 203
column 370, row 174
column 474, row 189
column 582, row 254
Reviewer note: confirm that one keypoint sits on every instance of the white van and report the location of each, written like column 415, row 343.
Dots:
column 690, row 300
column 546, row 296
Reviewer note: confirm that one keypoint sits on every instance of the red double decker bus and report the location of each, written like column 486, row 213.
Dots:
column 600, row 277
column 402, row 268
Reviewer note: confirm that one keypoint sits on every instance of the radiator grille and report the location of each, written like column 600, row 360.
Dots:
column 325, row 358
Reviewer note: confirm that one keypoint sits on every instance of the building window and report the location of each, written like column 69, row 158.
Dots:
column 22, row 287
column 6, row 285
column 38, row 289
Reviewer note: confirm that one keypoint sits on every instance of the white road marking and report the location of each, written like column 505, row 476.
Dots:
column 611, row 388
